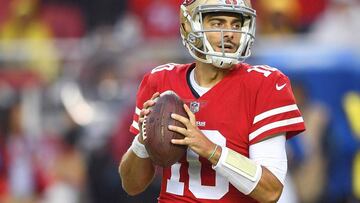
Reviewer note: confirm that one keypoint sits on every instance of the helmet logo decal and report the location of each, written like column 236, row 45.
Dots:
column 188, row 2
column 234, row 2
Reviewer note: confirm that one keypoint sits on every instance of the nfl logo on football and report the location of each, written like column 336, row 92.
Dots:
column 194, row 107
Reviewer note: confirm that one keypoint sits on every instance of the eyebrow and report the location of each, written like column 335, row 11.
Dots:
column 219, row 18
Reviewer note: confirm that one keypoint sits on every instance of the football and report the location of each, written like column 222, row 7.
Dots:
column 157, row 137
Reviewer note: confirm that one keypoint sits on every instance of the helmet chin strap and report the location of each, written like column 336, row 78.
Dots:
column 221, row 62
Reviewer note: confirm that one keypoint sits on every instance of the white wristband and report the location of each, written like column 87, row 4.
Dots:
column 243, row 173
column 138, row 148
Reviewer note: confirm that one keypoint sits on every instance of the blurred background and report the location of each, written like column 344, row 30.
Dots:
column 69, row 71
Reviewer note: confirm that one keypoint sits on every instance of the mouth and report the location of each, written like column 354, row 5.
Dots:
column 228, row 47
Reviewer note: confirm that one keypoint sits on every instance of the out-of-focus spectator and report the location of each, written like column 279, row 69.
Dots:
column 20, row 148
column 99, row 13
column 339, row 24
column 351, row 104
column 287, row 16
column 310, row 11
column 307, row 162
column 17, row 181
column 66, row 20
column 27, row 41
column 4, row 10
column 159, row 18
column 277, row 17
column 6, row 94
column 103, row 82
column 67, row 171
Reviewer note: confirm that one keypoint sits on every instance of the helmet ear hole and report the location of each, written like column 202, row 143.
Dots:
column 186, row 26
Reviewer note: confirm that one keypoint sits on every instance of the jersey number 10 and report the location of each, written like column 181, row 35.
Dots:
column 200, row 191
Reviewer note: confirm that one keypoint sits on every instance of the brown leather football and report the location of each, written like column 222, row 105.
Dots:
column 157, row 136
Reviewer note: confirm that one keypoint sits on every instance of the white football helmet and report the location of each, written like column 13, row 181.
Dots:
column 194, row 37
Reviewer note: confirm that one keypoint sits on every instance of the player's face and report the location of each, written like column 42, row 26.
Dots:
column 223, row 21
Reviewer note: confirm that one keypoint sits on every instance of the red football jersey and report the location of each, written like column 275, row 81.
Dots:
column 250, row 104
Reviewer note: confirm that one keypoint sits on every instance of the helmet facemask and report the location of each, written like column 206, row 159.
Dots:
column 194, row 36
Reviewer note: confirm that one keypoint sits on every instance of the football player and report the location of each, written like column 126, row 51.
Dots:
column 239, row 115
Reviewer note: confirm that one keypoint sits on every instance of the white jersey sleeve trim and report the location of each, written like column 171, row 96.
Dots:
column 273, row 125
column 137, row 111
column 271, row 153
column 275, row 111
column 135, row 125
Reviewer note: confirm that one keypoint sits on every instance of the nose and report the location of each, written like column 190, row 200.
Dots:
column 228, row 34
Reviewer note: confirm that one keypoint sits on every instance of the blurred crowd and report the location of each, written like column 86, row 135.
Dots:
column 69, row 71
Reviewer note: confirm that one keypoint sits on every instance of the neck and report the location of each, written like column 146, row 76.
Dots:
column 207, row 75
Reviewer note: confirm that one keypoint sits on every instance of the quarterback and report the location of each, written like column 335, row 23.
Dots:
column 240, row 116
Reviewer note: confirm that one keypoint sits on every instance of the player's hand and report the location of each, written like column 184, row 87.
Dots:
column 144, row 112
column 194, row 138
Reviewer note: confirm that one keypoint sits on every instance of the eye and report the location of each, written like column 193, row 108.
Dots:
column 215, row 24
column 236, row 26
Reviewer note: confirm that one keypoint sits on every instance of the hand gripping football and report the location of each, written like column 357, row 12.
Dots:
column 157, row 137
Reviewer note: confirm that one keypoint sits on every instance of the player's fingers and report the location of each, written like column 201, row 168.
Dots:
column 141, row 120
column 156, row 94
column 178, row 129
column 179, row 141
column 151, row 101
column 181, row 119
column 190, row 114
column 148, row 103
column 144, row 112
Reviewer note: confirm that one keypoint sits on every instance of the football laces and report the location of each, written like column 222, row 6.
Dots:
column 143, row 128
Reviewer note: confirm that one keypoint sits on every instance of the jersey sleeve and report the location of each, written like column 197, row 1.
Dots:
column 145, row 91
column 276, row 110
